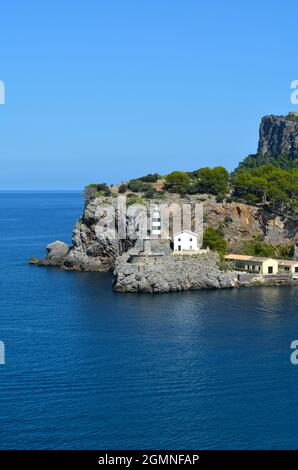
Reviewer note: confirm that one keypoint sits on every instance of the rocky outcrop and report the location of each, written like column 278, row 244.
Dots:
column 279, row 136
column 56, row 254
column 90, row 251
column 168, row 272
column 159, row 272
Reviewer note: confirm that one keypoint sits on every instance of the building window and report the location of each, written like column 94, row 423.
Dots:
column 296, row 269
column 270, row 269
column 179, row 247
column 179, row 239
column 287, row 268
column 190, row 239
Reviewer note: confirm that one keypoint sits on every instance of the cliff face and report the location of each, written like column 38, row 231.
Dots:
column 91, row 251
column 241, row 222
column 278, row 135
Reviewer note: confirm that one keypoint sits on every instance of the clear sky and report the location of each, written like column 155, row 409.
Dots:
column 106, row 90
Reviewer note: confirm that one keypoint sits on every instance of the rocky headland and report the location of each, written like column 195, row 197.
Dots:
column 238, row 222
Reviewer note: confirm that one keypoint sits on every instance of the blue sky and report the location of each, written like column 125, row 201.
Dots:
column 110, row 90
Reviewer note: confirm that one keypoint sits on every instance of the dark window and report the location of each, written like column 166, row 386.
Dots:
column 179, row 247
column 270, row 269
column 190, row 239
column 296, row 270
column 287, row 268
column 179, row 239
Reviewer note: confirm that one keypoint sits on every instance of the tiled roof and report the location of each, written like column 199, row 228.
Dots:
column 256, row 259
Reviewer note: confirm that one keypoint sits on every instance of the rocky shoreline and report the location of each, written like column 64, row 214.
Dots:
column 163, row 271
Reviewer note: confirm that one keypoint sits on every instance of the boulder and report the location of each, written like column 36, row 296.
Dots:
column 56, row 253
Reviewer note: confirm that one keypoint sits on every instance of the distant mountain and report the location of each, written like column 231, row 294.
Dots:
column 278, row 143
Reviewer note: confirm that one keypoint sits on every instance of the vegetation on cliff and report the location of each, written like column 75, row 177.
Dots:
column 257, row 247
column 267, row 184
column 215, row 241
column 269, row 178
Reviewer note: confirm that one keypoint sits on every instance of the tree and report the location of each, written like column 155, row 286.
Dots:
column 177, row 182
column 267, row 185
column 215, row 241
column 210, row 180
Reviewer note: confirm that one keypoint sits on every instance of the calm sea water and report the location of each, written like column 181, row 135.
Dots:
column 89, row 368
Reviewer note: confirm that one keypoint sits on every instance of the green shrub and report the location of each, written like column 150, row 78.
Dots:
column 150, row 193
column 220, row 198
column 134, row 199
column 286, row 251
column 177, row 182
column 213, row 239
column 150, row 178
column 138, row 186
column 94, row 190
column 256, row 247
column 122, row 188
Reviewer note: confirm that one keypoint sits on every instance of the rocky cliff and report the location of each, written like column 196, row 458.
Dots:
column 278, row 143
column 279, row 136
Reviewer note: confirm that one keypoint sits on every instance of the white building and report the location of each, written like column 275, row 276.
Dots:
column 254, row 264
column 186, row 241
column 288, row 266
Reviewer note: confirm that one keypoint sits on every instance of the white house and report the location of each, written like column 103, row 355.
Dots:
column 186, row 241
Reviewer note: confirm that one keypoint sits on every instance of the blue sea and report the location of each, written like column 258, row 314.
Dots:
column 87, row 368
